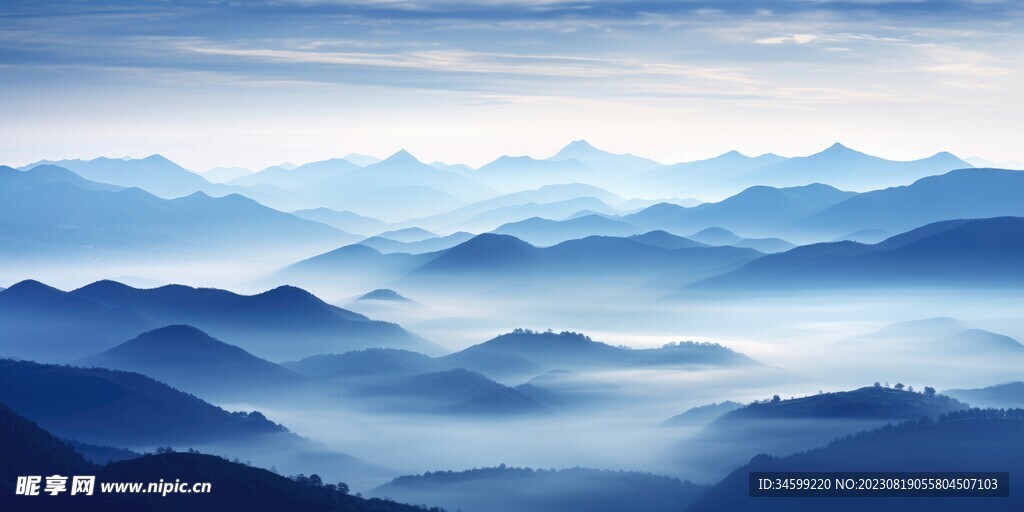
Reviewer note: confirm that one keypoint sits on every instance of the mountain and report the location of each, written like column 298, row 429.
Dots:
column 352, row 268
column 490, row 213
column 129, row 410
column 345, row 221
column 305, row 179
column 407, row 235
column 119, row 408
column 847, row 169
column 56, row 324
column 456, row 392
column 716, row 236
column 971, row 440
column 438, row 243
column 1001, row 396
column 362, row 160
column 666, row 240
column 566, row 209
column 515, row 173
column 46, row 324
column 499, row 489
column 225, row 174
column 756, row 211
column 1007, row 164
column 701, row 415
column 190, row 360
column 544, row 232
column 960, row 194
column 30, row 450
column 979, row 252
column 563, row 390
column 154, row 174
column 491, row 260
column 397, row 180
column 584, row 152
column 384, row 294
column 96, row 222
column 373, row 361
column 712, row 177
column 525, row 352
column 780, row 427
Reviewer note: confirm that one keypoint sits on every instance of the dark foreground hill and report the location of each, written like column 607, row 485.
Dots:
column 504, row 489
column 27, row 449
column 781, row 427
column 969, row 440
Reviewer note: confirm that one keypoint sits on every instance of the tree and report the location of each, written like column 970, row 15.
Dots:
column 910, row 388
column 929, row 391
column 878, row 384
column 776, row 399
column 899, row 386
column 343, row 487
column 315, row 479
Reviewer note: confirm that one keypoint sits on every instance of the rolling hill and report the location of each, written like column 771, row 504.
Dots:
column 189, row 359
column 976, row 252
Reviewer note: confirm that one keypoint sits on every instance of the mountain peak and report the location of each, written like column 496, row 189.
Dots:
column 401, row 157
column 578, row 149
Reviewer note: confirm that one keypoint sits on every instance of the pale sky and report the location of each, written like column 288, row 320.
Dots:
column 254, row 83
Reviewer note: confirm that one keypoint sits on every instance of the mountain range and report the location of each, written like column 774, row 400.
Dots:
column 43, row 322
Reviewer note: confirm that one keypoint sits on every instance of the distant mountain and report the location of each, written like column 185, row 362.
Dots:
column 701, row 415
column 864, row 236
column 980, row 252
column 225, row 174
column 30, row 450
column 362, row 160
column 95, row 222
column 961, row 194
column 352, row 268
column 716, row 236
column 722, row 175
column 847, row 169
column 373, row 361
column 564, row 210
column 191, row 360
column 666, row 240
column 345, row 221
column 515, row 173
column 98, row 316
column 583, row 151
column 407, row 235
column 563, row 390
column 1007, row 164
column 305, row 179
column 1000, row 396
column 491, row 260
column 480, row 216
column 757, row 211
column 525, row 352
column 499, row 490
column 544, row 232
column 439, row 243
column 384, row 294
column 458, row 392
column 154, row 174
column 400, row 172
column 978, row 440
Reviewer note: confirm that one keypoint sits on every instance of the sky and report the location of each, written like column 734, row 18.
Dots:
column 254, row 83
